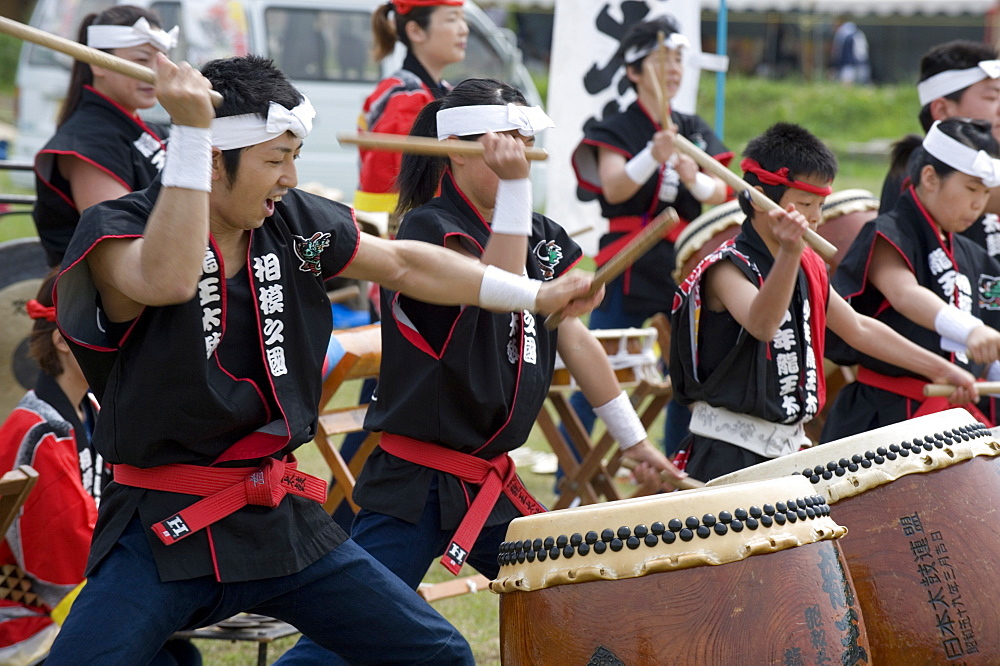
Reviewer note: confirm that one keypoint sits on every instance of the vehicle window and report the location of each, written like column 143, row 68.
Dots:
column 481, row 60
column 63, row 19
column 321, row 45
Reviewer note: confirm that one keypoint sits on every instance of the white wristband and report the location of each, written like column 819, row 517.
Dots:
column 621, row 421
column 954, row 324
column 505, row 292
column 189, row 158
column 641, row 168
column 512, row 210
column 703, row 188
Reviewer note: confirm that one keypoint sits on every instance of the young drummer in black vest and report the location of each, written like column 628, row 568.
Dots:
column 198, row 313
column 749, row 322
column 911, row 269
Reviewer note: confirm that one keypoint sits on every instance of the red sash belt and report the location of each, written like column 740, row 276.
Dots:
column 493, row 476
column 225, row 490
column 630, row 225
column 913, row 388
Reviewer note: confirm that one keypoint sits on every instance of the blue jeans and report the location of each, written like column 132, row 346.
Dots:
column 346, row 601
column 407, row 550
column 612, row 314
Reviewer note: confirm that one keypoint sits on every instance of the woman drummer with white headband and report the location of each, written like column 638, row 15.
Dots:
column 466, row 384
column 911, row 269
column 102, row 149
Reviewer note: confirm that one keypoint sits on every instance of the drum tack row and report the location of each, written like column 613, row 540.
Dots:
column 875, row 549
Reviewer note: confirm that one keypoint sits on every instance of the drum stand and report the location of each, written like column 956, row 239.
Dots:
column 591, row 478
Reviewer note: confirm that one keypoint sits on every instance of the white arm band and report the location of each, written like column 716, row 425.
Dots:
column 955, row 325
column 512, row 210
column 703, row 188
column 621, row 421
column 189, row 158
column 641, row 168
column 501, row 291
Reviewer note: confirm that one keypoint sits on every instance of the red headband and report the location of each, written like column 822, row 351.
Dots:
column 38, row 311
column 406, row 6
column 780, row 177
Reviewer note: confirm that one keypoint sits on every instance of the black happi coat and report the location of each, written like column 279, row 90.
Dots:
column 179, row 386
column 647, row 283
column 100, row 133
column 956, row 269
column 458, row 377
column 713, row 359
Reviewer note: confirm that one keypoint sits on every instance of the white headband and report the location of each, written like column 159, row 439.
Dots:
column 953, row 80
column 675, row 41
column 124, row 36
column 250, row 129
column 962, row 157
column 479, row 119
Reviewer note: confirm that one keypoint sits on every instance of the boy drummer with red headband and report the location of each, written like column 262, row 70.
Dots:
column 749, row 322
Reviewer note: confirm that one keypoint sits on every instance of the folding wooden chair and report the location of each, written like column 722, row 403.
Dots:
column 362, row 355
column 590, row 478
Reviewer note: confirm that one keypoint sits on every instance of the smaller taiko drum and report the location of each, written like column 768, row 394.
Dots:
column 747, row 574
column 631, row 352
column 704, row 234
column 844, row 213
column 918, row 498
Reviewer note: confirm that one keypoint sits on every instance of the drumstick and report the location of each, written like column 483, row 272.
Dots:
column 575, row 232
column 84, row 53
column 822, row 246
column 687, row 483
column 945, row 390
column 638, row 246
column 421, row 145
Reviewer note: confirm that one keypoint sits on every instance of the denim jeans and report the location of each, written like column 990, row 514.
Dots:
column 406, row 549
column 346, row 601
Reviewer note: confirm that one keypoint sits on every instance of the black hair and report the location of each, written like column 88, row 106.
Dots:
column 956, row 54
column 40, row 345
column 644, row 34
column 785, row 145
column 977, row 134
column 81, row 74
column 248, row 84
column 420, row 175
column 386, row 31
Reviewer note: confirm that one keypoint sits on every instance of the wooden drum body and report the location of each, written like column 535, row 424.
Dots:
column 704, row 234
column 917, row 498
column 748, row 575
column 844, row 213
column 630, row 351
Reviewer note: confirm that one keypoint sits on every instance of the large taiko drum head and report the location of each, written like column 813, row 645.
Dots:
column 746, row 574
column 22, row 267
column 705, row 233
column 844, row 213
column 919, row 498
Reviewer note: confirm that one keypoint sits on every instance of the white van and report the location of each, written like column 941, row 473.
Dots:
column 322, row 45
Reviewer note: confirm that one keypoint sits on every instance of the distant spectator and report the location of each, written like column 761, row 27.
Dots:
column 850, row 55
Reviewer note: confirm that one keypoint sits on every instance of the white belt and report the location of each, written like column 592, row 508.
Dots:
column 764, row 438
